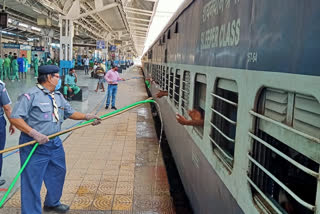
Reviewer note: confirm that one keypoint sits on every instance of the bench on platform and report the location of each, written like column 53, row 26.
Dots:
column 82, row 95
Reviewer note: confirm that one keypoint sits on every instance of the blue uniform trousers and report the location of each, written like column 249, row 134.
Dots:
column 47, row 164
column 3, row 124
column 112, row 91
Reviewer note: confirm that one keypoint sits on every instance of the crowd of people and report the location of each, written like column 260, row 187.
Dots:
column 14, row 68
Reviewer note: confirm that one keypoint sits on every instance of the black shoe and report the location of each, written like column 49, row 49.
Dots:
column 114, row 108
column 62, row 208
column 106, row 107
column 69, row 98
column 2, row 181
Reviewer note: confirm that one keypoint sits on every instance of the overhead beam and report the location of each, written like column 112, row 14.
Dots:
column 139, row 28
column 97, row 10
column 138, row 19
column 139, row 10
column 138, row 36
column 139, row 13
column 140, row 24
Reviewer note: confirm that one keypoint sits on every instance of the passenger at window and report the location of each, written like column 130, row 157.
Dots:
column 197, row 119
column 161, row 94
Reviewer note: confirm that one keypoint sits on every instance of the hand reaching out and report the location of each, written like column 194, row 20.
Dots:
column 161, row 94
column 195, row 115
column 181, row 119
column 196, row 118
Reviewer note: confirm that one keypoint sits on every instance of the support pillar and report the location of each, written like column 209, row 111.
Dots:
column 66, row 44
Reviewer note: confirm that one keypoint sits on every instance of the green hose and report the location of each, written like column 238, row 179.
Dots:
column 36, row 145
column 147, row 83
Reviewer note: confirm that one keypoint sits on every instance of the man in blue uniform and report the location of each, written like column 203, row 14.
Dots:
column 5, row 108
column 39, row 113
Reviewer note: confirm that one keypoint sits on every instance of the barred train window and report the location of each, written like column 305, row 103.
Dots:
column 224, row 120
column 156, row 74
column 176, row 88
column 167, row 79
column 160, row 75
column 285, row 152
column 171, row 84
column 200, row 98
column 185, row 93
column 163, row 76
column 153, row 71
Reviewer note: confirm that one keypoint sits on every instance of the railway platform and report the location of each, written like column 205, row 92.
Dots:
column 113, row 168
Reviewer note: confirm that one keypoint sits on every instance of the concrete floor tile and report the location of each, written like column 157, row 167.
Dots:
column 67, row 198
column 122, row 203
column 107, row 188
column 88, row 187
column 102, row 202
column 109, row 178
column 82, row 202
column 124, row 188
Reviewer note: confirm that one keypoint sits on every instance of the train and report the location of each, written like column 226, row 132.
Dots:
column 252, row 69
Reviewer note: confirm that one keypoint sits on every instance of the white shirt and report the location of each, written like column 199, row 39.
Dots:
column 86, row 61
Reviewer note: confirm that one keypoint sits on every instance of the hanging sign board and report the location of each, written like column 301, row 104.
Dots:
column 117, row 42
column 11, row 45
column 101, row 44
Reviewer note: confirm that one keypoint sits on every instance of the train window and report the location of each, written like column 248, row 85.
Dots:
column 176, row 88
column 153, row 72
column 167, row 79
column 284, row 160
column 163, row 78
column 157, row 74
column 176, row 28
column 224, row 120
column 169, row 34
column 200, row 97
column 171, row 84
column 185, row 91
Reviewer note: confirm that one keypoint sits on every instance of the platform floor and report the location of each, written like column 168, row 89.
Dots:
column 116, row 167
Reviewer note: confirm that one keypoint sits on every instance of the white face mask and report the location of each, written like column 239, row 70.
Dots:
column 53, row 83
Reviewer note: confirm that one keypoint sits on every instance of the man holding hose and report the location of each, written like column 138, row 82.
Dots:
column 38, row 114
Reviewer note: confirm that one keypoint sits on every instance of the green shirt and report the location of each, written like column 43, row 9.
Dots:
column 7, row 62
column 36, row 61
column 15, row 63
column 1, row 61
column 69, row 80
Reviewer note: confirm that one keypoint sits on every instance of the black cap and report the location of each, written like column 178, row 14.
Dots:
column 48, row 69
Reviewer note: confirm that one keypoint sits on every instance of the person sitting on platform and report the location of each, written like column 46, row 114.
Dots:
column 70, row 81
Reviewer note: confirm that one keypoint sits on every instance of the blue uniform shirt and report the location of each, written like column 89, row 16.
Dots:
column 4, row 97
column 36, row 109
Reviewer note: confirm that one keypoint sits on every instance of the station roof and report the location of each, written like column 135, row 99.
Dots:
column 127, row 21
